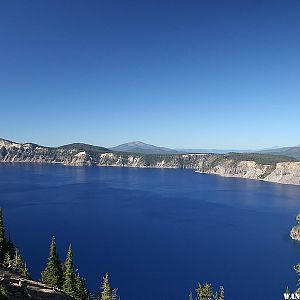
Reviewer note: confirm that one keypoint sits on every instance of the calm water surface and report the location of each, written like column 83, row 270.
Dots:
column 157, row 232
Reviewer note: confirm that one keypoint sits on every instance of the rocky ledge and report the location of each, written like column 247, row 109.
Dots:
column 13, row 287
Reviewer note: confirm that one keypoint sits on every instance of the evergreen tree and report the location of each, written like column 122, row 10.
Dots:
column 222, row 293
column 105, row 289
column 191, row 296
column 7, row 260
column 17, row 261
column 9, row 247
column 24, row 271
column 216, row 296
column 53, row 275
column 69, row 274
column 206, row 292
column 114, row 295
column 17, row 264
column 198, row 291
column 81, row 292
column 2, row 238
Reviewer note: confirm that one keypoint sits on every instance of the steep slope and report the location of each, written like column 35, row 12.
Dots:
column 143, row 148
column 288, row 151
column 14, row 287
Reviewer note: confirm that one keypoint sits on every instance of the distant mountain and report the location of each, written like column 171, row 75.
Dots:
column 143, row 148
column 288, row 151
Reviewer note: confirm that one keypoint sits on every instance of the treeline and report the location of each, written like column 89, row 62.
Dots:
column 61, row 276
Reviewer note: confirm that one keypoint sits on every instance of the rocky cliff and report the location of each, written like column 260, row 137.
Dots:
column 13, row 287
column 272, row 168
column 284, row 172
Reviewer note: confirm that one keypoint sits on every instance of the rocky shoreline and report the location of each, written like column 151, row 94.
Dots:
column 295, row 231
column 284, row 172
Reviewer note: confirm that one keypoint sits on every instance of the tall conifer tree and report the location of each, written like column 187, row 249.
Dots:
column 69, row 274
column 222, row 293
column 105, row 289
column 53, row 275
column 81, row 292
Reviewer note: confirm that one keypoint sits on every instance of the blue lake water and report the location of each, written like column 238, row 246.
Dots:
column 157, row 232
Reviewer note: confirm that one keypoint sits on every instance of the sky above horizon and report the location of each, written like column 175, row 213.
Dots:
column 181, row 74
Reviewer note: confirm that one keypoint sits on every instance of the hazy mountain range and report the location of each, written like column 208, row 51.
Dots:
column 143, row 148
column 288, row 151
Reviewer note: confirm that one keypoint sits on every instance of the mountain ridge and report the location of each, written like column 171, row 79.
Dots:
column 293, row 151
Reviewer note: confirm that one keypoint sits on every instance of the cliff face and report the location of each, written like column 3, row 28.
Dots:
column 14, row 152
column 244, row 169
column 285, row 173
column 187, row 161
column 85, row 155
column 288, row 173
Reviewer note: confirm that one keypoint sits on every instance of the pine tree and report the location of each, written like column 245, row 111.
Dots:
column 105, row 289
column 7, row 260
column 24, row 271
column 53, row 275
column 17, row 261
column 198, row 291
column 9, row 247
column 216, row 296
column 69, row 274
column 206, row 292
column 2, row 238
column 222, row 293
column 81, row 292
column 114, row 295
column 17, row 264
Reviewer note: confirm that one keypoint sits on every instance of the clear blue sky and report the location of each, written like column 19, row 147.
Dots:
column 193, row 74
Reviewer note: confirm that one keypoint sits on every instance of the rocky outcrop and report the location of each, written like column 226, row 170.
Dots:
column 287, row 173
column 295, row 232
column 235, row 165
column 244, row 169
column 284, row 173
column 14, row 287
column 187, row 161
column 13, row 152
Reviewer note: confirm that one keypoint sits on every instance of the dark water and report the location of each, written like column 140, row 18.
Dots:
column 157, row 232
